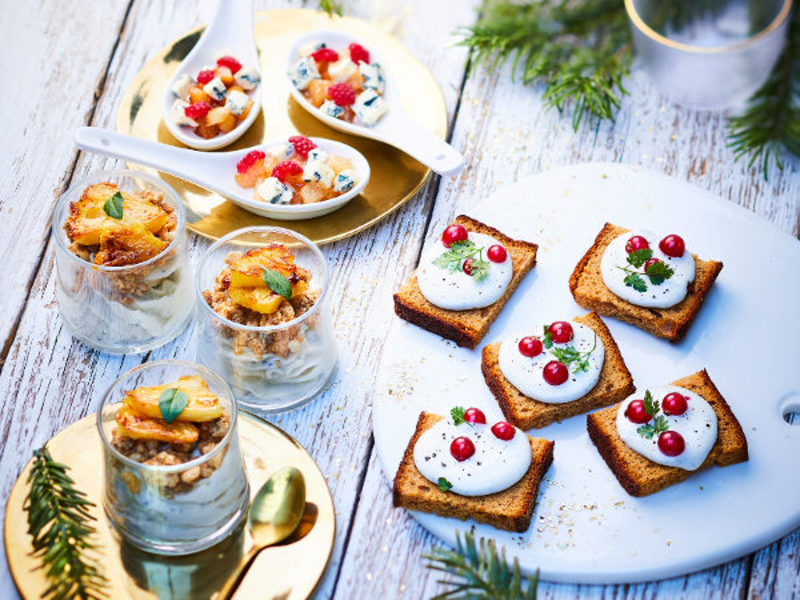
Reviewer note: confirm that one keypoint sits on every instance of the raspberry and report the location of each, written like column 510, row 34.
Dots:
column 325, row 55
column 342, row 94
column 198, row 110
column 302, row 145
column 203, row 77
column 358, row 53
column 230, row 62
column 251, row 158
column 285, row 169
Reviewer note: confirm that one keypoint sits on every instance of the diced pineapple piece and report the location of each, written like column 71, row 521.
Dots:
column 138, row 427
column 313, row 192
column 217, row 115
column 317, row 91
column 339, row 163
column 205, row 130
column 196, row 94
column 260, row 299
column 203, row 404
column 249, row 178
column 224, row 73
column 246, row 270
column 236, row 88
column 246, row 110
column 126, row 243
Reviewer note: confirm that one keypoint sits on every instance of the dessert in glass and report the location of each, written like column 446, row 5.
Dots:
column 123, row 280
column 174, row 476
column 263, row 320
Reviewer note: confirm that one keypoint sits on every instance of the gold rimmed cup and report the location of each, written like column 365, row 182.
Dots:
column 709, row 54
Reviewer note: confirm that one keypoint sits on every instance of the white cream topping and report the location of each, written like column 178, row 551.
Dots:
column 698, row 426
column 496, row 465
column 668, row 293
column 457, row 290
column 525, row 373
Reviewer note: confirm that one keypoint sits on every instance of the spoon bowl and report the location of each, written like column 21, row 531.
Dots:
column 215, row 171
column 395, row 127
column 230, row 32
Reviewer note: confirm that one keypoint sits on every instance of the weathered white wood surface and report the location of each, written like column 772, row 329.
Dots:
column 48, row 381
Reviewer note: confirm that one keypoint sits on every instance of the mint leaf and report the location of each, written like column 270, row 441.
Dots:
column 277, row 282
column 445, row 485
column 113, row 206
column 633, row 280
column 172, row 402
column 659, row 272
column 639, row 257
column 457, row 413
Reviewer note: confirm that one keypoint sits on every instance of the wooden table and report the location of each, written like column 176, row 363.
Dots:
column 68, row 63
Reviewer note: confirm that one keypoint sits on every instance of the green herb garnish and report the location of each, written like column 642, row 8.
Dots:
column 635, row 281
column 172, row 402
column 657, row 273
column 570, row 355
column 445, row 485
column 660, row 423
column 547, row 338
column 457, row 413
column 638, row 257
column 453, row 259
column 277, row 282
column 113, row 206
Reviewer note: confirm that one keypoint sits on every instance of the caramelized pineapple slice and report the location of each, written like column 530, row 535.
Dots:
column 137, row 427
column 203, row 404
column 127, row 243
column 246, row 270
column 87, row 217
column 261, row 299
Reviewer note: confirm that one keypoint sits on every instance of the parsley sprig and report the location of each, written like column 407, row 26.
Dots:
column 457, row 414
column 453, row 259
column 444, row 485
column 657, row 273
column 659, row 424
column 570, row 355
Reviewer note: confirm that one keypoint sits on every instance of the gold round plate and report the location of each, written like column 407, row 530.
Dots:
column 396, row 177
column 291, row 570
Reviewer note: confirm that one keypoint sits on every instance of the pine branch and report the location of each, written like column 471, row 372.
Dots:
column 477, row 571
column 771, row 123
column 60, row 524
column 581, row 51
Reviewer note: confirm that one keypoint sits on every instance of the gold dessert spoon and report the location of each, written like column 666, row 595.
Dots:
column 274, row 514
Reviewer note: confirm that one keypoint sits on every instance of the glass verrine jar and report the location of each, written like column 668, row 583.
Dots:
column 180, row 500
column 130, row 308
column 275, row 366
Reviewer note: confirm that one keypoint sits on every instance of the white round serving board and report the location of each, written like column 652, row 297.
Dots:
column 586, row 528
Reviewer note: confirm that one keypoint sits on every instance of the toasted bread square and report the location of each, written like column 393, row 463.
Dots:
column 615, row 384
column 464, row 327
column 589, row 290
column 639, row 475
column 510, row 509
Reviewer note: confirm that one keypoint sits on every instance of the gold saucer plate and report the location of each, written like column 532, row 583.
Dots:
column 289, row 571
column 396, row 177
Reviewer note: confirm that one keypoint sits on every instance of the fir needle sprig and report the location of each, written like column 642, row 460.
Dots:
column 478, row 570
column 61, row 527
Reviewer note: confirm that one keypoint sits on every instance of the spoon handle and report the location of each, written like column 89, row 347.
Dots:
column 232, row 19
column 426, row 148
column 235, row 579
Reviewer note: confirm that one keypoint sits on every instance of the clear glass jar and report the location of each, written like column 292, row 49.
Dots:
column 181, row 508
column 127, row 309
column 275, row 367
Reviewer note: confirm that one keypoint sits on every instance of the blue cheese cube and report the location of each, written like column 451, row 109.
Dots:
column 178, row 113
column 274, row 191
column 344, row 181
column 215, row 88
column 342, row 70
column 319, row 155
column 247, row 78
column 373, row 76
column 318, row 172
column 330, row 108
column 237, row 101
column 309, row 49
column 369, row 107
column 303, row 73
column 181, row 86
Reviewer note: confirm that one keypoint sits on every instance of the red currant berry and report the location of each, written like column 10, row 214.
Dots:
column 674, row 404
column 636, row 412
column 462, row 448
column 637, row 242
column 530, row 346
column 555, row 372
column 342, row 94
column 285, row 169
column 325, row 55
column 302, row 145
column 453, row 234
column 671, row 443
column 673, row 245
column 198, row 110
column 650, row 263
column 467, row 266
column 358, row 53
column 497, row 254
column 474, row 415
column 251, row 158
column 203, row 77
column 561, row 332
column 230, row 62
column 503, row 431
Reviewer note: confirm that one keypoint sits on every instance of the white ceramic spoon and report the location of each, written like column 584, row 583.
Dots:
column 216, row 171
column 231, row 30
column 394, row 128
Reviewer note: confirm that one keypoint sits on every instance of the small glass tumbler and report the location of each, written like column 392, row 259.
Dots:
column 173, row 508
column 709, row 54
column 131, row 308
column 274, row 367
